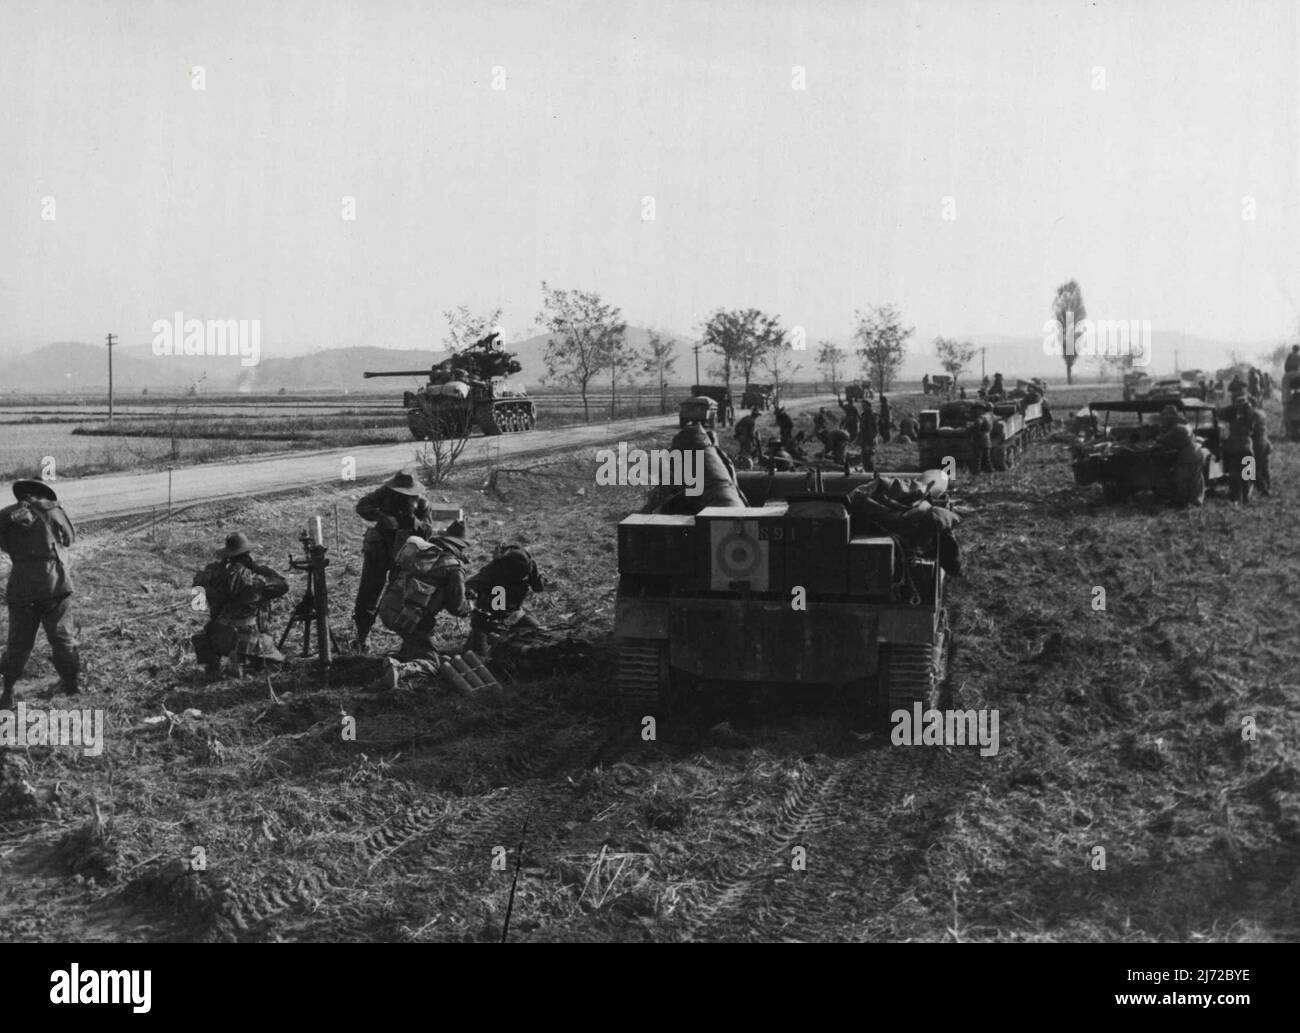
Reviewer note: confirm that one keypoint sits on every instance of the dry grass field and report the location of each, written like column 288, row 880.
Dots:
column 1120, row 729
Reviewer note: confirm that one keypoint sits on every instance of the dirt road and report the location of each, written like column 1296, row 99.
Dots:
column 128, row 494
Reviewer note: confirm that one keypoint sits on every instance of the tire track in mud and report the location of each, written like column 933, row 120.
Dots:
column 846, row 814
column 425, row 838
column 804, row 811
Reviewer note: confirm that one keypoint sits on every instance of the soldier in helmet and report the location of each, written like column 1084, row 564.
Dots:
column 1189, row 480
column 785, row 425
column 746, row 432
column 867, row 434
column 499, row 590
column 777, row 458
column 1238, row 446
column 852, row 418
column 982, row 439
column 35, row 534
column 1262, row 446
column 998, row 390
column 397, row 509
column 236, row 590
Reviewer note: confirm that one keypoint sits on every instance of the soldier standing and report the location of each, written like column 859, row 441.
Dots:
column 982, row 439
column 237, row 589
column 868, row 433
column 1263, row 446
column 397, row 510
column 1238, row 446
column 786, row 426
column 925, row 384
column 1292, row 364
column 36, row 533
column 851, row 417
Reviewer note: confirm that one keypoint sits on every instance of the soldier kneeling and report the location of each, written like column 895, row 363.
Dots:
column 238, row 592
column 428, row 579
column 499, row 590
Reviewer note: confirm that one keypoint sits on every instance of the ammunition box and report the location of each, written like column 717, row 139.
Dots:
column 656, row 545
column 871, row 566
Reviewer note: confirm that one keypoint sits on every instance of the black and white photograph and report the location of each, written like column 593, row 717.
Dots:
column 651, row 471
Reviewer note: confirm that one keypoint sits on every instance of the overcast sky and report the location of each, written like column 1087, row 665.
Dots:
column 227, row 202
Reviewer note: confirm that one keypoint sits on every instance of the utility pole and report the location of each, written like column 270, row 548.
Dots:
column 983, row 352
column 697, row 362
column 111, row 342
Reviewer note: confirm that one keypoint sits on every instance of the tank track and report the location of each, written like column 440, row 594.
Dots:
column 507, row 417
column 639, row 666
column 917, row 672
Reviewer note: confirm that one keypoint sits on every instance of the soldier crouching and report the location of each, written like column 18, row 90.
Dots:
column 238, row 590
column 499, row 591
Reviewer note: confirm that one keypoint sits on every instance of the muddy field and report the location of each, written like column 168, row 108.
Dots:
column 218, row 812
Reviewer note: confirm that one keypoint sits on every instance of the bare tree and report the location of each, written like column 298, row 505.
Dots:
column 438, row 454
column 778, row 361
column 954, row 356
column 883, row 343
column 586, row 337
column 1068, row 311
column 658, row 361
column 831, row 360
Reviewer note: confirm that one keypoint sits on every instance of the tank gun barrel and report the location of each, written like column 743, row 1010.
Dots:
column 398, row 373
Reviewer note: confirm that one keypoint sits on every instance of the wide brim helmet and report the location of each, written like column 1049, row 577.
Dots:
column 34, row 489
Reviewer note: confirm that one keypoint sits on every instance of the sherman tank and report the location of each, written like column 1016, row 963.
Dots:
column 465, row 390
column 820, row 581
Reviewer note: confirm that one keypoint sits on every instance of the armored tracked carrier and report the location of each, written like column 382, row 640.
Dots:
column 812, row 583
column 949, row 431
column 466, row 390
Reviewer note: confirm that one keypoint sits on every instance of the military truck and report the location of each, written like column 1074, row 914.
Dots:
column 720, row 395
column 698, row 409
column 1123, row 459
column 465, row 390
column 1291, row 405
column 799, row 587
column 758, row 396
column 950, row 431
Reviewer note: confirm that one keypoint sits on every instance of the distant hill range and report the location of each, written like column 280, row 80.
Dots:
column 77, row 368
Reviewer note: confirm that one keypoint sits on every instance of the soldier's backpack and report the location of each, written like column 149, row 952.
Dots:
column 420, row 584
